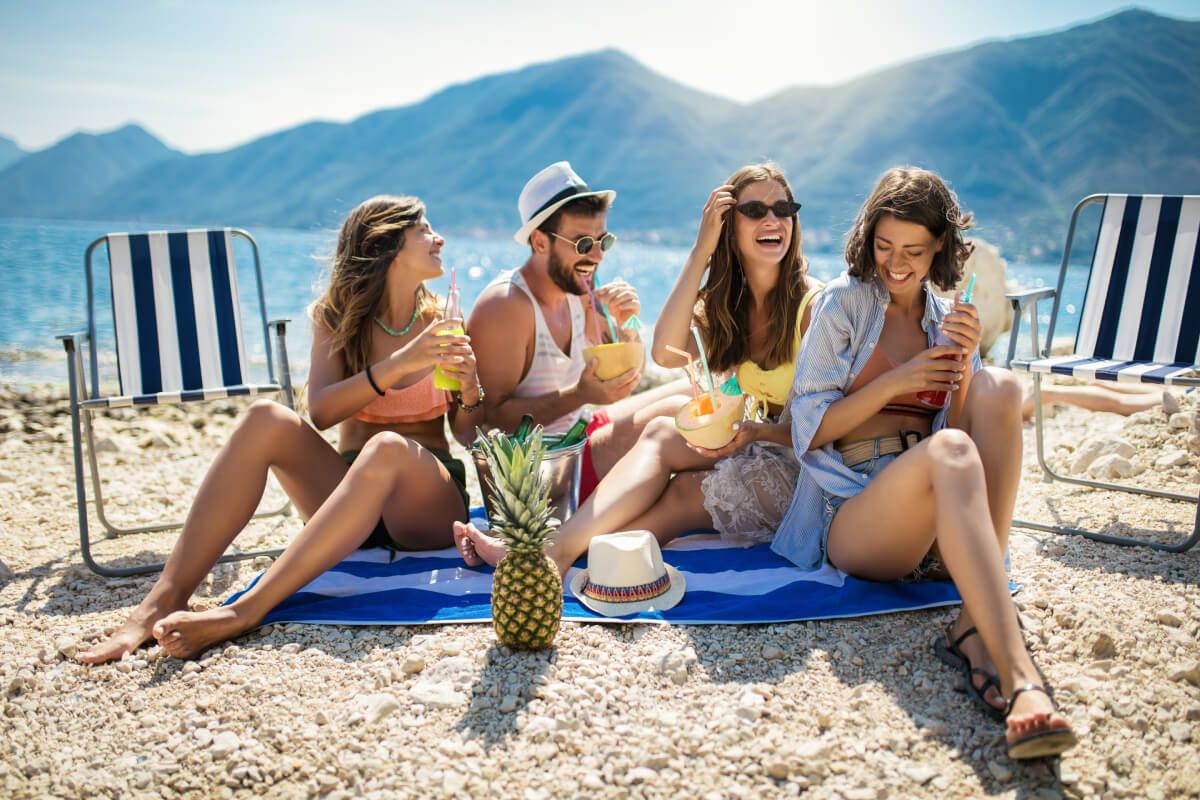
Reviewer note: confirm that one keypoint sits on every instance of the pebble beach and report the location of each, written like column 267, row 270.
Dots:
column 856, row 708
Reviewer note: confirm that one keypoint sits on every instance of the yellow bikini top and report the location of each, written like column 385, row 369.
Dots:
column 771, row 386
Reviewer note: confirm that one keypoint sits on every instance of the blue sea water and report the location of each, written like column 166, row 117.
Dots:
column 43, row 290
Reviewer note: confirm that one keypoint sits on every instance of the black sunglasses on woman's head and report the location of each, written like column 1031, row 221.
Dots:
column 757, row 209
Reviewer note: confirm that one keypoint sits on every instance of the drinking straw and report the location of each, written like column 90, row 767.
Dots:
column 712, row 389
column 612, row 328
column 970, row 288
column 592, row 299
column 691, row 370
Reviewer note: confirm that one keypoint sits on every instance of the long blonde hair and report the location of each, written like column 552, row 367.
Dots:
column 723, row 309
column 368, row 242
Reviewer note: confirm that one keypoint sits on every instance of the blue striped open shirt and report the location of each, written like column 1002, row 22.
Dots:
column 847, row 320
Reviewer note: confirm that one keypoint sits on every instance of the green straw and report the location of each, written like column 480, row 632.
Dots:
column 712, row 389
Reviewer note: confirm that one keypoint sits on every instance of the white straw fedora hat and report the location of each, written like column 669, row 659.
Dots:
column 625, row 574
column 547, row 192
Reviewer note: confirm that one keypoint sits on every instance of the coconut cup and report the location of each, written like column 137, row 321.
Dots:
column 711, row 431
column 615, row 358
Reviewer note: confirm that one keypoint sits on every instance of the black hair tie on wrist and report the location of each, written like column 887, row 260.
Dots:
column 371, row 380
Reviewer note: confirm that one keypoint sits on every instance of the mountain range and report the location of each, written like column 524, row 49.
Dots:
column 1022, row 128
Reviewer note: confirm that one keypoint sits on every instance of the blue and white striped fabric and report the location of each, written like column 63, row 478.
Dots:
column 175, row 311
column 725, row 585
column 1140, row 320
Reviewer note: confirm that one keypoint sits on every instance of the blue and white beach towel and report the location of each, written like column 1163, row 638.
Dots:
column 725, row 585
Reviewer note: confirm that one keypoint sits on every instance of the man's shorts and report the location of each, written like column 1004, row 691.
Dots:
column 587, row 470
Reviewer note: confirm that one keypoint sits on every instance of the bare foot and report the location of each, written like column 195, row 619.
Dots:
column 187, row 634
column 476, row 546
column 137, row 631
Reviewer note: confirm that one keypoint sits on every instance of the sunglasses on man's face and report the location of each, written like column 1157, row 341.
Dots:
column 584, row 244
column 757, row 209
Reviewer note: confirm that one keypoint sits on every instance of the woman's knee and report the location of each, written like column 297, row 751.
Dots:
column 995, row 392
column 384, row 455
column 952, row 450
column 268, row 417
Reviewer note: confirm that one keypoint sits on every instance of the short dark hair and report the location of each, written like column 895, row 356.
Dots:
column 584, row 206
column 915, row 195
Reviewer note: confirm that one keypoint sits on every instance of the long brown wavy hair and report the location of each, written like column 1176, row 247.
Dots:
column 723, row 308
column 915, row 195
column 368, row 242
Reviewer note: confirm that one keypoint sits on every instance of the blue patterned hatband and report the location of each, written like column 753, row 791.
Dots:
column 628, row 594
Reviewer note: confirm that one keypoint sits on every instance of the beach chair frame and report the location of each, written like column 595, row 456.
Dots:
column 86, row 398
column 1129, row 370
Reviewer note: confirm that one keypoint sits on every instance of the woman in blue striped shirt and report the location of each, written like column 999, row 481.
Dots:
column 895, row 479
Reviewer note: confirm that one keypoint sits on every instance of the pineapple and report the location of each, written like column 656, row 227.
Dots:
column 526, row 587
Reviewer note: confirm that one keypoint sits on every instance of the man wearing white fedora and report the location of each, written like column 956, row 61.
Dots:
column 530, row 326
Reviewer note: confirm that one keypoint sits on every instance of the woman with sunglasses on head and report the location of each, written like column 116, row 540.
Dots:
column 377, row 338
column 746, row 287
column 896, row 479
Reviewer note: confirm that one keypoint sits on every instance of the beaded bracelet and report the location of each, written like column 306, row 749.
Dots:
column 478, row 402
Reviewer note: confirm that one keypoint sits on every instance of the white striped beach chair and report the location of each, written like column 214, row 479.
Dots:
column 179, row 339
column 1139, row 322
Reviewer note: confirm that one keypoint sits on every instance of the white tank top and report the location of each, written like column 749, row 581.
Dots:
column 551, row 369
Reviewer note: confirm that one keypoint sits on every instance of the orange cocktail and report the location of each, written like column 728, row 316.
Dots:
column 707, row 422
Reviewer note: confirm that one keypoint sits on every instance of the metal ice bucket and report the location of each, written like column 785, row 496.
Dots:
column 560, row 471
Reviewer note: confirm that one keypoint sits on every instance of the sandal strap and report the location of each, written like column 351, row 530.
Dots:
column 1029, row 687
column 967, row 634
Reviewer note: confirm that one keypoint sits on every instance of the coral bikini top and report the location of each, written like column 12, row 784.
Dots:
column 420, row 402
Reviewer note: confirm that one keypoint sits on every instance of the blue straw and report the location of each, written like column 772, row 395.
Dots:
column 612, row 328
column 970, row 289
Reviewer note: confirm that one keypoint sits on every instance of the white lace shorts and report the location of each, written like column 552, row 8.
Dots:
column 748, row 493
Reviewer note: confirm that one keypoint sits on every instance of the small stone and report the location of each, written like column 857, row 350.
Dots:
column 640, row 775
column 67, row 646
column 6, row 574
column 751, row 705
column 508, row 704
column 377, row 706
column 436, row 694
column 453, row 782
column 224, row 743
column 106, row 444
column 771, row 652
column 1112, row 466
column 1000, row 771
column 1180, row 731
column 412, row 664
column 321, row 718
column 861, row 793
column 1180, row 421
column 920, row 775
column 1104, row 646
column 1173, row 458
column 1168, row 618
column 779, row 770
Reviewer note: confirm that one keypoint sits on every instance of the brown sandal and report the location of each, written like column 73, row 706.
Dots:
column 1039, row 743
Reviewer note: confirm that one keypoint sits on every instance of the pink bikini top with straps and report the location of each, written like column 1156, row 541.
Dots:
column 419, row 402
column 906, row 404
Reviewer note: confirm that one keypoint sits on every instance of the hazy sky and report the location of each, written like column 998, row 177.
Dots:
column 207, row 75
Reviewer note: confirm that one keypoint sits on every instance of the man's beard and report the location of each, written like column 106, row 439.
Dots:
column 565, row 277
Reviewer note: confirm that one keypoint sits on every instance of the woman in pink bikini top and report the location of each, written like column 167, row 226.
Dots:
column 390, row 481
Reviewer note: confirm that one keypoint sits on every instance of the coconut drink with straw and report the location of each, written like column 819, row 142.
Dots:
column 707, row 419
column 616, row 357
